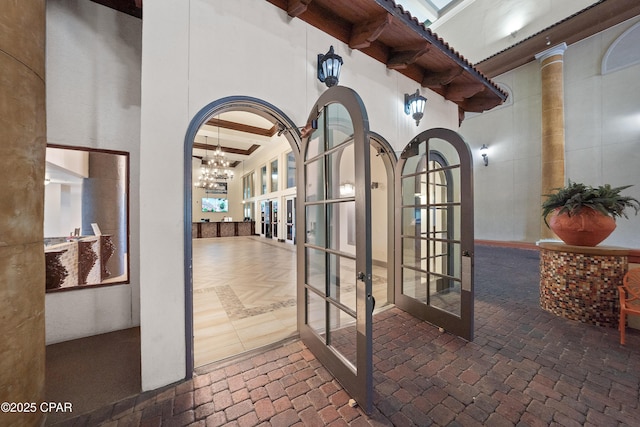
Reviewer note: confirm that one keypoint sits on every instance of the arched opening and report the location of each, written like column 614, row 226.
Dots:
column 212, row 306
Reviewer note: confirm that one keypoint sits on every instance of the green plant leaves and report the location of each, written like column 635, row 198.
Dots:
column 604, row 199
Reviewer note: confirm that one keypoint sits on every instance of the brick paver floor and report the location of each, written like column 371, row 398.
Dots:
column 525, row 367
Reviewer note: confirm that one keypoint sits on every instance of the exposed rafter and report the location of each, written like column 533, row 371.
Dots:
column 363, row 34
column 229, row 150
column 242, row 127
column 433, row 79
column 399, row 60
column 296, row 7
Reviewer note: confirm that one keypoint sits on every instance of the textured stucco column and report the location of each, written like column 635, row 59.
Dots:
column 22, row 165
column 551, row 68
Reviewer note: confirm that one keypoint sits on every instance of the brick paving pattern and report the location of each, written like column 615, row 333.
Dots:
column 525, row 367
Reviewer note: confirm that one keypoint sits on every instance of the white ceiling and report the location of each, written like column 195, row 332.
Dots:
column 478, row 29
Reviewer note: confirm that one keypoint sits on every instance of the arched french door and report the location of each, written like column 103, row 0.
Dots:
column 335, row 300
column 434, row 231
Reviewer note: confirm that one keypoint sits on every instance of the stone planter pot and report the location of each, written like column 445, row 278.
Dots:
column 585, row 228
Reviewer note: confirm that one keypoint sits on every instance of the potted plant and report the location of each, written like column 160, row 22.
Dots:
column 583, row 215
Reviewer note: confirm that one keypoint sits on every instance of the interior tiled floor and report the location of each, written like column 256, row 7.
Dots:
column 244, row 295
column 237, row 305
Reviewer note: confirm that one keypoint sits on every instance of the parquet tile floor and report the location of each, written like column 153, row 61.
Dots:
column 244, row 295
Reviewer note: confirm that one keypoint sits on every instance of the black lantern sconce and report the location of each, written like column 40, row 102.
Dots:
column 414, row 105
column 329, row 66
column 484, row 150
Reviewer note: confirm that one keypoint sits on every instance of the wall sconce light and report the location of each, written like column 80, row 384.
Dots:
column 414, row 105
column 484, row 150
column 329, row 66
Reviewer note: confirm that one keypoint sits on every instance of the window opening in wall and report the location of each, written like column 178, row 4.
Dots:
column 291, row 170
column 86, row 217
column 263, row 179
column 274, row 175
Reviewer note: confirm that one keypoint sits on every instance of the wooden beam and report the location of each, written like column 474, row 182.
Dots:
column 242, row 127
column 229, row 150
column 366, row 32
column 477, row 104
column 461, row 91
column 297, row 7
column 434, row 79
column 400, row 59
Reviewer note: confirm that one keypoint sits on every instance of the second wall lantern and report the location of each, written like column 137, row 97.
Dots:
column 414, row 105
column 329, row 66
column 484, row 150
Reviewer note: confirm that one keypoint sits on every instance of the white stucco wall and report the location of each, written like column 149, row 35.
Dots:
column 199, row 51
column 93, row 62
column 602, row 132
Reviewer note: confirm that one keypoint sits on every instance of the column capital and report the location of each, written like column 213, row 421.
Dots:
column 555, row 50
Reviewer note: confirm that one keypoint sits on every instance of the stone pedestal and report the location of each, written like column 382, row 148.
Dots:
column 581, row 283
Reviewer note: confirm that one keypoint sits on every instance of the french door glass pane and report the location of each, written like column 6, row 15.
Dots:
column 414, row 253
column 342, row 283
column 340, row 125
column 315, row 145
column 445, row 294
column 413, row 189
column 316, row 269
column 316, row 313
column 445, row 150
column 315, row 225
column 414, row 284
column 315, row 180
column 342, row 173
column 416, row 159
column 414, row 222
column 343, row 334
column 342, row 235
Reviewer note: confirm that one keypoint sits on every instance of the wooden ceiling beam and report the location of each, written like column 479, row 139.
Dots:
column 443, row 78
column 297, row 7
column 400, row 59
column 364, row 33
column 242, row 127
column 477, row 104
column 460, row 91
column 229, row 150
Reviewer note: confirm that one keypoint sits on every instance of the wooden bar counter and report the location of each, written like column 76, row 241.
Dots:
column 222, row 229
column 581, row 282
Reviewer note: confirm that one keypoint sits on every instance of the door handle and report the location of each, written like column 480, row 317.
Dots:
column 361, row 276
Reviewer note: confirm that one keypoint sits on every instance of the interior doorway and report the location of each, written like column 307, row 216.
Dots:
column 236, row 300
column 290, row 224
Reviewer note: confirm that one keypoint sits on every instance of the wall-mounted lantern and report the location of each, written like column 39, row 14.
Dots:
column 414, row 105
column 329, row 66
column 484, row 150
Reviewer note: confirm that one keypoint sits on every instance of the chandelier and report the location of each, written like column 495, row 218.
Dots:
column 214, row 169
